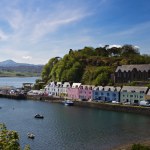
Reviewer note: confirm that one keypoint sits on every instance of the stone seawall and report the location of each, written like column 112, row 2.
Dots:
column 11, row 96
column 44, row 98
column 115, row 107
column 103, row 106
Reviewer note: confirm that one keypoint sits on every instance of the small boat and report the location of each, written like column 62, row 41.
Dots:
column 68, row 103
column 39, row 116
column 31, row 135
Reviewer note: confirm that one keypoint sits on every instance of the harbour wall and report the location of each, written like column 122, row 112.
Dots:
column 115, row 107
column 104, row 106
column 45, row 98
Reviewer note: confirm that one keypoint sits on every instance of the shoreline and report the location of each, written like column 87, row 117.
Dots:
column 98, row 105
column 145, row 142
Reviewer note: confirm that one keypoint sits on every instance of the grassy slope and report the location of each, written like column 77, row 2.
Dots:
column 16, row 74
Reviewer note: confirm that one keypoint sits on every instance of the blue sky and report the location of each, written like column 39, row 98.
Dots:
column 33, row 31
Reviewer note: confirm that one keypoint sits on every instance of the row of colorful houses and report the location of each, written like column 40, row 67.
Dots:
column 77, row 91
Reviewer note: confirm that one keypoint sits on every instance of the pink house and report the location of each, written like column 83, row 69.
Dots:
column 73, row 92
column 85, row 92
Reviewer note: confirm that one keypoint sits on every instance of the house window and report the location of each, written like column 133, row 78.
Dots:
column 107, row 94
column 131, row 95
column 141, row 96
column 96, row 93
column 114, row 95
column 102, row 94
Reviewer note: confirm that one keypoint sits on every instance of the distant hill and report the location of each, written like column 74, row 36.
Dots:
column 11, row 63
column 12, row 66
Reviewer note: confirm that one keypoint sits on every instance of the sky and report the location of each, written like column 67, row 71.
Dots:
column 34, row 31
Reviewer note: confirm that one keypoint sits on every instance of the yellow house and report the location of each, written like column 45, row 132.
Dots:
column 147, row 96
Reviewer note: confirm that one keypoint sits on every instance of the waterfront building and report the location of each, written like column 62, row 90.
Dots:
column 73, row 91
column 147, row 97
column 107, row 93
column 65, row 86
column 27, row 86
column 86, row 92
column 58, row 89
column 50, row 88
column 129, row 73
column 133, row 94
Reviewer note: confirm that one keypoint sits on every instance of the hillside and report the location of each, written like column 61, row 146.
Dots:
column 12, row 68
column 92, row 65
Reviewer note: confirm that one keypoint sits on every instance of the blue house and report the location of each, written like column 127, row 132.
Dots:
column 107, row 93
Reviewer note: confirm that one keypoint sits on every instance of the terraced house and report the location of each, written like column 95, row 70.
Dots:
column 107, row 93
column 73, row 91
column 129, row 73
column 86, row 92
column 133, row 94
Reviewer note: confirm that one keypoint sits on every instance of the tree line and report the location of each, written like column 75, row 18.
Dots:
column 92, row 65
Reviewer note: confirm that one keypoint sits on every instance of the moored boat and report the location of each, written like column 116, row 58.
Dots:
column 68, row 103
column 31, row 135
column 39, row 116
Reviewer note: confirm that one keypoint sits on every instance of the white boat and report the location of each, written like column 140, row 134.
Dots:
column 68, row 103
column 31, row 135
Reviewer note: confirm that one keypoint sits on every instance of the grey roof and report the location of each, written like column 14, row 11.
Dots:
column 142, row 67
column 134, row 89
column 108, row 88
column 76, row 85
column 112, row 88
column 66, row 84
column 87, row 86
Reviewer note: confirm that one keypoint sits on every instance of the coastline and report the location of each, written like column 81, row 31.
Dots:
column 145, row 142
column 91, row 104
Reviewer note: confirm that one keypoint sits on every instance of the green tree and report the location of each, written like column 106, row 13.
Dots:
column 9, row 140
column 129, row 50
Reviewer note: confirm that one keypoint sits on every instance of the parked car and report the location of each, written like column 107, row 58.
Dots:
column 115, row 102
column 144, row 103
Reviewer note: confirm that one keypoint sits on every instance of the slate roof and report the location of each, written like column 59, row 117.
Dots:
column 112, row 88
column 87, row 86
column 76, row 85
column 66, row 84
column 143, row 67
column 107, row 88
column 134, row 89
column 100, row 88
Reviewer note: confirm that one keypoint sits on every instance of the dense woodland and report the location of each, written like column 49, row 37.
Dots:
column 90, row 65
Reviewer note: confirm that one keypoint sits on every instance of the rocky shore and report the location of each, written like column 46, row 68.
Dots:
column 128, row 146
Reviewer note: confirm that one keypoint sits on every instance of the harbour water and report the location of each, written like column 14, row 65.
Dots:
column 65, row 128
column 16, row 81
column 75, row 128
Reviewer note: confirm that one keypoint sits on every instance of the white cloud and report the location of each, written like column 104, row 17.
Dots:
column 3, row 36
column 50, row 25
column 114, row 45
column 27, row 57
